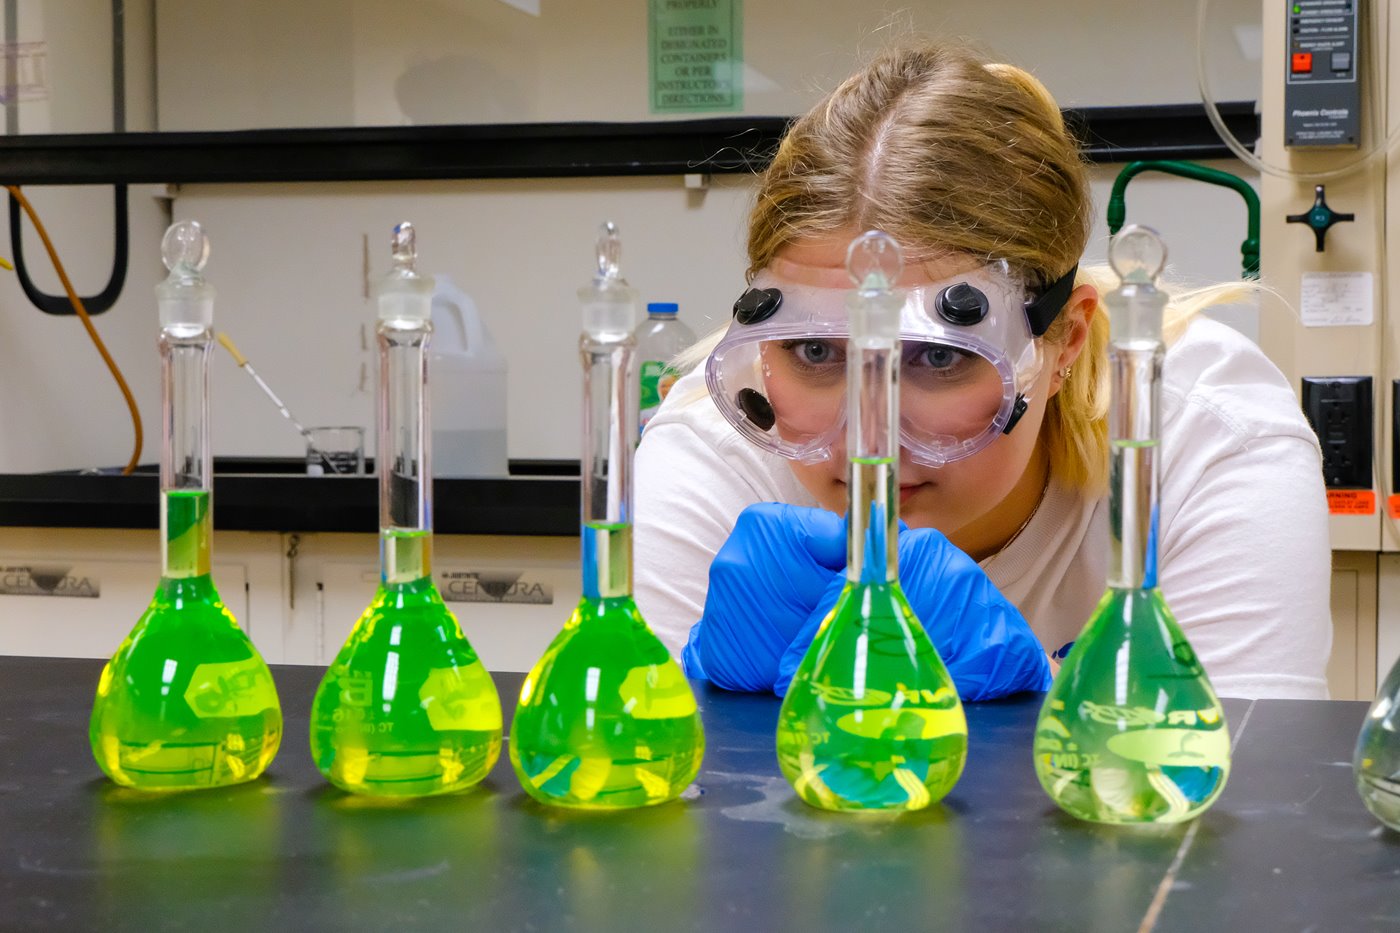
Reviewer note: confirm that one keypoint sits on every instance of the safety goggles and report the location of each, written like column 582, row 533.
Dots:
column 970, row 355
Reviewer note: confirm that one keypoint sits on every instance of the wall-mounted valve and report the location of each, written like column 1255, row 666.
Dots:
column 1320, row 217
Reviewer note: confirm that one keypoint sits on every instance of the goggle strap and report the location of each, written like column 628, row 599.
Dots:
column 1017, row 410
column 1042, row 310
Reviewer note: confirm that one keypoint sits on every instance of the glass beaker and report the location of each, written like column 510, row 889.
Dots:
column 336, row 451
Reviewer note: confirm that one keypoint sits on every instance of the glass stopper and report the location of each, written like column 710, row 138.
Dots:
column 609, row 252
column 1137, row 254
column 404, row 246
column 874, row 260
column 185, row 246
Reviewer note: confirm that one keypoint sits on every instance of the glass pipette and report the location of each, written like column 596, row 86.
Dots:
column 247, row 367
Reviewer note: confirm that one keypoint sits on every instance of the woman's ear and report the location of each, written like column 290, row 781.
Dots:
column 1079, row 312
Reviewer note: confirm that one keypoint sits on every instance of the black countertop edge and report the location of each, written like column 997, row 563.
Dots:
column 720, row 145
column 534, row 500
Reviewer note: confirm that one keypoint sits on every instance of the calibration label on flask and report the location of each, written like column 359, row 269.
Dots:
column 656, row 691
column 231, row 688
column 1172, row 739
column 878, row 714
column 495, row 586
column 48, row 580
column 452, row 705
column 1173, row 747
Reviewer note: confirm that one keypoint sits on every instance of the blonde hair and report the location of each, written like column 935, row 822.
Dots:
column 1075, row 431
column 956, row 155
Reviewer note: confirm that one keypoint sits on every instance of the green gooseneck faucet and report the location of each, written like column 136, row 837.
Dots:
column 1249, row 249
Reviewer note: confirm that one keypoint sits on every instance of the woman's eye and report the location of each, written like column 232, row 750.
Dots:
column 937, row 357
column 815, row 353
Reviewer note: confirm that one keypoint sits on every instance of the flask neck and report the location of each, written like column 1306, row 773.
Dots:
column 609, row 429
column 607, row 560
column 186, row 466
column 402, row 454
column 405, row 556
column 185, row 461
column 1133, row 431
column 186, row 533
column 872, row 532
column 872, row 439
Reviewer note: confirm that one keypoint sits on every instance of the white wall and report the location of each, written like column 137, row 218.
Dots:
column 291, row 296
column 484, row 61
column 59, row 406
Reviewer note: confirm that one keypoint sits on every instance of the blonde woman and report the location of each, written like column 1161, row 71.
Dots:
column 968, row 164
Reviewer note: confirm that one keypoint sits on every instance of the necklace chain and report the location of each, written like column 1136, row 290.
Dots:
column 1023, row 526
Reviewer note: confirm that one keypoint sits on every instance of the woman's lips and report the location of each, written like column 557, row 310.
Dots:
column 905, row 492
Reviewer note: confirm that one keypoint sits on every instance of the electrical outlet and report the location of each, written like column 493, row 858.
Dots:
column 1395, row 437
column 1339, row 409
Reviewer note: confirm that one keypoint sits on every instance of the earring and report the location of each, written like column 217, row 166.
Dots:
column 1064, row 373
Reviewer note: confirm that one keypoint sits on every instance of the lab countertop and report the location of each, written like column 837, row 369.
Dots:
column 540, row 497
column 1288, row 846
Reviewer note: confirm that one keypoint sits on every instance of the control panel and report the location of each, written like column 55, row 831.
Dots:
column 1322, row 93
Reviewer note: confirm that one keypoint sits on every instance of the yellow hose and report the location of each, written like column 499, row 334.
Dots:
column 87, row 323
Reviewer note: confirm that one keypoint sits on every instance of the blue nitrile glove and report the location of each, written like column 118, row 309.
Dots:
column 983, row 639
column 764, row 583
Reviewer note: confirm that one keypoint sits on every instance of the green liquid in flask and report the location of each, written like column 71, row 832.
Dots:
column 872, row 720
column 406, row 708
column 1131, row 731
column 1376, row 763
column 186, row 701
column 606, row 719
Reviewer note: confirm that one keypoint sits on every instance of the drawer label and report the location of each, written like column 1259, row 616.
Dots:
column 48, row 580
column 495, row 586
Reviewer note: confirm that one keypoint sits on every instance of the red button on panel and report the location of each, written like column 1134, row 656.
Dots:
column 1302, row 62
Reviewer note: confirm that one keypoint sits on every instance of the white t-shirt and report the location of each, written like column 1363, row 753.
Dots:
column 1244, row 559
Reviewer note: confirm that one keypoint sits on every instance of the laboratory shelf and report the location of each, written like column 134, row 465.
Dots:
column 530, row 150
column 1288, row 846
column 540, row 497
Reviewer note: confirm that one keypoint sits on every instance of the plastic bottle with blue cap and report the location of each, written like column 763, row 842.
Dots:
column 659, row 339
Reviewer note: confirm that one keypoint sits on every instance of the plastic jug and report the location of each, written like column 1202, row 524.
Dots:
column 468, row 385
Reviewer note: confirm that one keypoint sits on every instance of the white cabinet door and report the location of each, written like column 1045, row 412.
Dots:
column 512, row 595
column 77, row 592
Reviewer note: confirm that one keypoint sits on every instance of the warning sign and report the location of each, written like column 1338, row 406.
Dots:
column 1351, row 501
column 697, row 55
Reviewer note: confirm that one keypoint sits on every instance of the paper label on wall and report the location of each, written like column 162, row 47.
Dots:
column 1336, row 299
column 696, row 55
column 28, row 63
column 495, row 586
column 48, row 580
